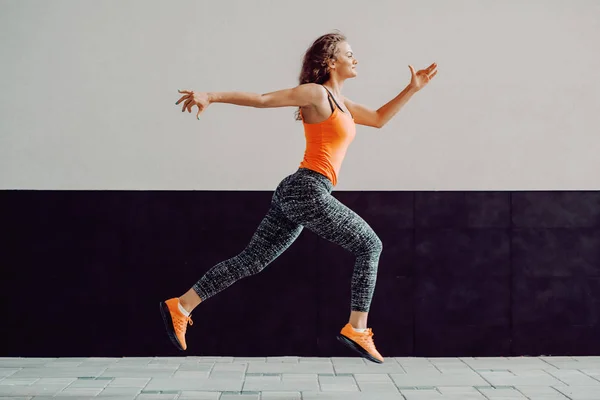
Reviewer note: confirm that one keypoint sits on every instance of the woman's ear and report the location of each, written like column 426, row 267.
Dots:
column 331, row 64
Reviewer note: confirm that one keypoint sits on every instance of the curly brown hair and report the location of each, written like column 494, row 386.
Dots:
column 314, row 65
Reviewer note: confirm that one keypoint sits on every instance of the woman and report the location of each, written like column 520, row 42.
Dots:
column 304, row 198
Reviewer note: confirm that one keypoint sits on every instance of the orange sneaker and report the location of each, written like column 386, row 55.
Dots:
column 175, row 322
column 361, row 342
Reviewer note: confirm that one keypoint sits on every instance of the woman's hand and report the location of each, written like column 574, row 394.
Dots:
column 192, row 99
column 422, row 77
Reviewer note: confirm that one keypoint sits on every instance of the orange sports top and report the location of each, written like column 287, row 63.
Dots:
column 327, row 142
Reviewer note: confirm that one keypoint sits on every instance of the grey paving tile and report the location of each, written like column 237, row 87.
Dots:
column 90, row 383
column 466, row 392
column 372, row 378
column 275, row 379
column 506, row 363
column 540, row 392
column 18, row 381
column 191, row 374
column 57, row 372
column 241, row 396
column 31, row 390
column 338, row 383
column 580, row 392
column 159, row 366
column 419, row 370
column 560, row 358
column 157, row 396
column 576, row 363
column 282, row 383
column 227, row 375
column 55, row 381
column 300, row 368
column 162, row 384
column 113, row 397
column 591, row 360
column 120, row 391
column 80, row 392
column 135, row 360
column 522, row 378
column 370, row 368
column 12, row 362
column 249, row 359
column 128, row 382
column 5, row 372
column 447, row 362
column 350, row 396
column 423, row 394
column 17, row 398
column 281, row 396
column 348, row 360
column 455, row 370
column 438, row 379
column 337, row 379
column 198, row 395
column 190, row 365
column 139, row 372
column 98, row 364
column 411, row 361
column 472, row 396
column 378, row 387
column 336, row 387
column 575, row 378
column 230, row 367
column 214, row 359
column 64, row 364
column 167, row 360
column 592, row 373
column 293, row 377
column 290, row 359
column 555, row 397
column 59, row 398
column 315, row 360
column 508, row 393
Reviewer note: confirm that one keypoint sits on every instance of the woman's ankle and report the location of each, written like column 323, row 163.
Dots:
column 190, row 300
column 358, row 319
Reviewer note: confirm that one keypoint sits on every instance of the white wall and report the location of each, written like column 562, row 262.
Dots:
column 89, row 89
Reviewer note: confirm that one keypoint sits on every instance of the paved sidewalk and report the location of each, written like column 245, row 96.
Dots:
column 297, row 378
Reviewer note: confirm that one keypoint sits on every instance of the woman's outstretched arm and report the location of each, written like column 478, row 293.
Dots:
column 364, row 115
column 299, row 96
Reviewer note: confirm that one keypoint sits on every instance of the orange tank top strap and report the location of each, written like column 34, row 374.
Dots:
column 330, row 96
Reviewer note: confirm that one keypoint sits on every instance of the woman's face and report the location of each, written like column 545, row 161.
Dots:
column 345, row 65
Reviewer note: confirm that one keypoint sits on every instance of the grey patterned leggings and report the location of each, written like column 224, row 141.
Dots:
column 303, row 199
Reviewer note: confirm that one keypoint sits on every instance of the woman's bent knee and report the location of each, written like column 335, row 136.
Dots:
column 372, row 246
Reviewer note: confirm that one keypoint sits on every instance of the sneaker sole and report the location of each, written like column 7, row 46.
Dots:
column 166, row 316
column 356, row 347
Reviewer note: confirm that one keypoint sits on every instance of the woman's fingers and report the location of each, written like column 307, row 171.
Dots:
column 186, row 104
column 183, row 98
column 187, row 94
column 191, row 99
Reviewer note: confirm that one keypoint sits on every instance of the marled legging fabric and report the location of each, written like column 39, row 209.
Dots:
column 303, row 199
